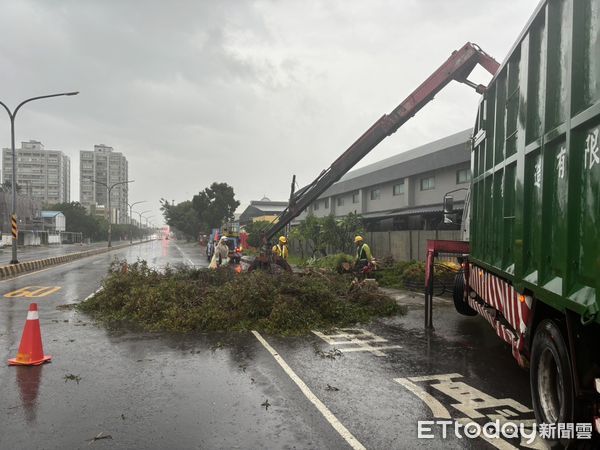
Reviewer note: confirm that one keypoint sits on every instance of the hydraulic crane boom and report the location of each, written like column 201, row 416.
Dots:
column 457, row 67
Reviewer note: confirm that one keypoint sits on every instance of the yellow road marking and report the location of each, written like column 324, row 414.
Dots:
column 33, row 291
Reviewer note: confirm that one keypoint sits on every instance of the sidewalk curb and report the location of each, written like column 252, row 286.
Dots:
column 413, row 298
column 13, row 270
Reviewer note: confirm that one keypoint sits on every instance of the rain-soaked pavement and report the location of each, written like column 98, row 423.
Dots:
column 364, row 387
column 31, row 253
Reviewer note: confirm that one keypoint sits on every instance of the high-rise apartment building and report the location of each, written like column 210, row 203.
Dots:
column 44, row 175
column 98, row 169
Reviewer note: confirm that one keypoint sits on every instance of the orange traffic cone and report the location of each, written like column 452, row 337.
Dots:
column 31, row 352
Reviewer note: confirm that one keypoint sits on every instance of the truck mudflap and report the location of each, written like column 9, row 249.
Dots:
column 503, row 307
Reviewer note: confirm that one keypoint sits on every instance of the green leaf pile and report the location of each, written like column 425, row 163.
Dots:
column 183, row 299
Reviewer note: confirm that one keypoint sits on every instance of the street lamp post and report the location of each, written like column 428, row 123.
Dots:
column 147, row 227
column 13, row 115
column 109, row 188
column 131, row 218
column 141, row 214
column 149, row 217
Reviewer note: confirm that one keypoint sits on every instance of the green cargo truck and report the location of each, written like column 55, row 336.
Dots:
column 534, row 265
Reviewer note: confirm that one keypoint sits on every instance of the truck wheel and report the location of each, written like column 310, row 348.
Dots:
column 458, row 295
column 552, row 390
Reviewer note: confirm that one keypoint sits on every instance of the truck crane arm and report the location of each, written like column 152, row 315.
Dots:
column 457, row 67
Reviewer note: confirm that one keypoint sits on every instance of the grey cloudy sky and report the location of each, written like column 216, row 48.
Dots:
column 247, row 93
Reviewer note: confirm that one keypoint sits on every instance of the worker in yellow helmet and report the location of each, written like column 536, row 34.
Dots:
column 281, row 249
column 363, row 253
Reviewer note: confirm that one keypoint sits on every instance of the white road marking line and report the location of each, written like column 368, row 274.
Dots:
column 184, row 255
column 367, row 348
column 352, row 338
column 446, row 377
column 437, row 409
column 470, row 401
column 93, row 293
column 359, row 337
column 538, row 443
column 333, row 421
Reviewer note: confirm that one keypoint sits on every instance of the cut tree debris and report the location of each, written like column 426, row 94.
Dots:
column 184, row 299
column 71, row 377
column 99, row 437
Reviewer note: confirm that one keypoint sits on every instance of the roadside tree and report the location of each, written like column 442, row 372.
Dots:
column 254, row 230
column 215, row 205
column 78, row 220
column 182, row 217
column 324, row 234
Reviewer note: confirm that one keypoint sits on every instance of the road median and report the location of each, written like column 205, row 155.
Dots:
column 12, row 270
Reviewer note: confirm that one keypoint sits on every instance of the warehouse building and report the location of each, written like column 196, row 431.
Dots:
column 405, row 191
column 263, row 209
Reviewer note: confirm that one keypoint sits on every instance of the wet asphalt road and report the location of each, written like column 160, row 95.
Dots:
column 206, row 391
column 31, row 253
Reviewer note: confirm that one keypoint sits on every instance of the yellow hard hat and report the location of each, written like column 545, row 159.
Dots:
column 283, row 239
column 358, row 239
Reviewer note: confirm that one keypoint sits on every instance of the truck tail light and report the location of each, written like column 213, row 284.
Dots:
column 525, row 299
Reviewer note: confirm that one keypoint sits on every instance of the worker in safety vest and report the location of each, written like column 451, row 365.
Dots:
column 363, row 253
column 281, row 249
